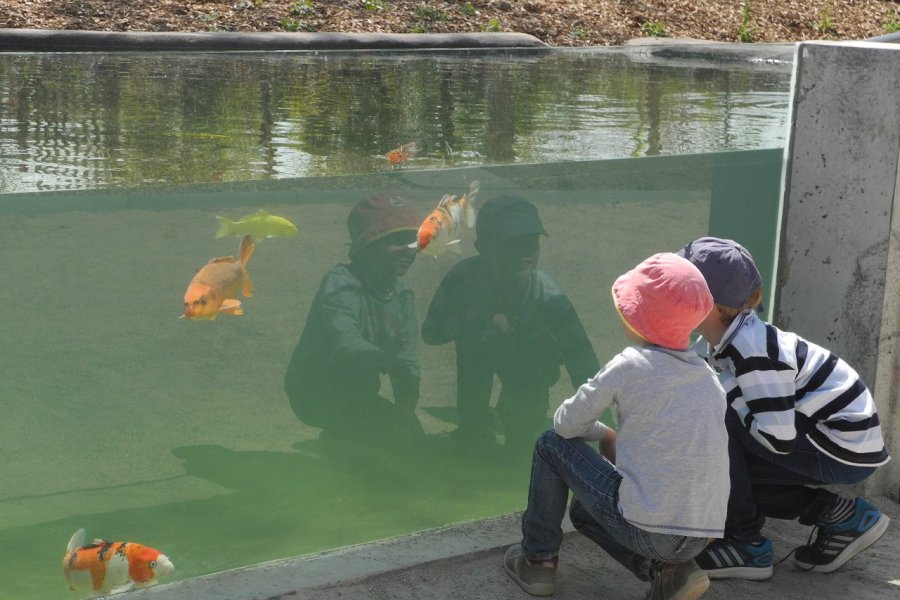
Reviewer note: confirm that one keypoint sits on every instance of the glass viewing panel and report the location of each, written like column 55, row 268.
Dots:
column 297, row 426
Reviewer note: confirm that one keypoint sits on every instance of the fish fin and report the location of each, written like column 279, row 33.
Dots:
column 246, row 285
column 447, row 199
column 119, row 589
column 231, row 307
column 245, row 250
column 262, row 213
column 76, row 541
column 224, row 227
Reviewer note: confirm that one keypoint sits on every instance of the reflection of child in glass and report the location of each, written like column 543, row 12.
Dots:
column 666, row 495
column 798, row 417
column 508, row 318
column 362, row 323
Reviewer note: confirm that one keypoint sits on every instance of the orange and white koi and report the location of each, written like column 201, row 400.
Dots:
column 400, row 155
column 441, row 228
column 215, row 287
column 112, row 567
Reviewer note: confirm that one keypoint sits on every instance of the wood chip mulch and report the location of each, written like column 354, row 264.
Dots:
column 556, row 22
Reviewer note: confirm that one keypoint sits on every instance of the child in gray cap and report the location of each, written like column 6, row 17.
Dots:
column 798, row 417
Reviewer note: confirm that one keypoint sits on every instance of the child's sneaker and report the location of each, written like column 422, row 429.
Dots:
column 537, row 578
column 836, row 544
column 680, row 581
column 725, row 559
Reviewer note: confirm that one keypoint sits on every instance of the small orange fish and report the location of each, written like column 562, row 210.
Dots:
column 400, row 155
column 440, row 229
column 214, row 288
column 112, row 567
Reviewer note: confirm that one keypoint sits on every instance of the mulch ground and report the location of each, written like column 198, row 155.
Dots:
column 556, row 22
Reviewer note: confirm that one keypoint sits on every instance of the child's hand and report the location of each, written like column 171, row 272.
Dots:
column 608, row 445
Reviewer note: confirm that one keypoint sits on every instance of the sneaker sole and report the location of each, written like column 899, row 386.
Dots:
column 858, row 545
column 535, row 589
column 749, row 573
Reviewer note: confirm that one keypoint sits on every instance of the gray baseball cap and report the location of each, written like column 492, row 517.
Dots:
column 728, row 268
column 505, row 216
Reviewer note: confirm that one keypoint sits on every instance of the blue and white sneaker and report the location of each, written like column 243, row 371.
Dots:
column 836, row 544
column 730, row 559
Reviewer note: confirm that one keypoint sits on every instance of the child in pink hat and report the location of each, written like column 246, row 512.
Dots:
column 653, row 503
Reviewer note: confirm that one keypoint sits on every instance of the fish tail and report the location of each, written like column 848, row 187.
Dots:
column 470, row 202
column 245, row 250
column 224, row 227
column 473, row 189
column 76, row 541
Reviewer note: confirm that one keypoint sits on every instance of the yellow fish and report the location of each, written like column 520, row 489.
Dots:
column 260, row 225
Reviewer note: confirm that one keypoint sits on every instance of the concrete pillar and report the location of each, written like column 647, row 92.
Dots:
column 839, row 255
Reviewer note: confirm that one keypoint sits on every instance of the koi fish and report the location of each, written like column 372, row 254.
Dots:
column 400, row 155
column 440, row 229
column 260, row 225
column 214, row 288
column 112, row 567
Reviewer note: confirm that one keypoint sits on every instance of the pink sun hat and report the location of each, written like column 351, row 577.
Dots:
column 663, row 300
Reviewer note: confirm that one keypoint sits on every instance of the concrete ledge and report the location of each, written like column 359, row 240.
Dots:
column 344, row 566
column 47, row 40
column 693, row 49
column 463, row 561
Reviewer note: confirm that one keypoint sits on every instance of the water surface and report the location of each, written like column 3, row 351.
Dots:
column 78, row 121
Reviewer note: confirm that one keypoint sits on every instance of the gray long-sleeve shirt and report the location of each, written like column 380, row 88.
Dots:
column 672, row 446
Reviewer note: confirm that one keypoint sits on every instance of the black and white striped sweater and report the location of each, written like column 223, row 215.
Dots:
column 773, row 378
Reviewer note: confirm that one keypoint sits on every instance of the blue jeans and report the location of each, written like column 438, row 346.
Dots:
column 560, row 465
column 766, row 484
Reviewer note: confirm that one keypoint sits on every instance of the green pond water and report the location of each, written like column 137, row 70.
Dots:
column 121, row 418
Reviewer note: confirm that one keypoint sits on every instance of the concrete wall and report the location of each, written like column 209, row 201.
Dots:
column 839, row 245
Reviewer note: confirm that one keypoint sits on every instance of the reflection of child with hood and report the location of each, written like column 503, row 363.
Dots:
column 508, row 318
column 362, row 323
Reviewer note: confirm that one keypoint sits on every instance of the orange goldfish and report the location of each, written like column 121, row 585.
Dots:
column 214, row 288
column 400, row 155
column 440, row 229
column 112, row 567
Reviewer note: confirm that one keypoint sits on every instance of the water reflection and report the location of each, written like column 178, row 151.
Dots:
column 74, row 121
column 362, row 324
column 507, row 318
